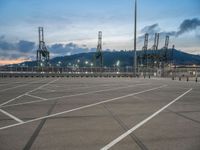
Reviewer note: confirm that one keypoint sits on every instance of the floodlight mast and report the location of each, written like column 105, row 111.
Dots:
column 135, row 41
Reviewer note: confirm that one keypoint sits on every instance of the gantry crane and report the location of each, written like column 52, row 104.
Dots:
column 43, row 54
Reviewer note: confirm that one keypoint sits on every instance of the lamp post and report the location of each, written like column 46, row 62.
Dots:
column 135, row 41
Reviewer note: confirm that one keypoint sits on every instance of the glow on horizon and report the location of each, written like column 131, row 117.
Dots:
column 13, row 61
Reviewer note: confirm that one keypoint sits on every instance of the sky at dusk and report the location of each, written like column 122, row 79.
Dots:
column 71, row 26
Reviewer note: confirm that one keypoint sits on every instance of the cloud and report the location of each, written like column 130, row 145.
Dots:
column 68, row 49
column 27, row 49
column 188, row 25
column 25, row 46
column 4, row 45
column 151, row 29
column 15, row 50
column 171, row 33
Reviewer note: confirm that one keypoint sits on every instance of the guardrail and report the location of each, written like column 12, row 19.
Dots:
column 181, row 73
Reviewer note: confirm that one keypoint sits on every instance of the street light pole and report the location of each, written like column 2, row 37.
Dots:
column 135, row 40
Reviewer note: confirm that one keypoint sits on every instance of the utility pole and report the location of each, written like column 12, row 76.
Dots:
column 135, row 41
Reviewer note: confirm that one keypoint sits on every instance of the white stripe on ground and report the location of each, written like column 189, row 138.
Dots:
column 14, row 87
column 88, row 86
column 80, row 86
column 74, row 95
column 11, row 100
column 111, row 144
column 24, row 84
column 4, row 83
column 37, row 97
column 77, row 88
column 83, row 107
column 11, row 116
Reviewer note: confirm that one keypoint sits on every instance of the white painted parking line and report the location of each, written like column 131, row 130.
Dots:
column 76, row 88
column 83, row 107
column 4, row 84
column 74, row 95
column 24, row 84
column 85, row 87
column 11, row 100
column 37, row 97
column 111, row 144
column 11, row 116
column 13, row 87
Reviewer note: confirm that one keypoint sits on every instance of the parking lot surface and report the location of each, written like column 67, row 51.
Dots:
column 99, row 114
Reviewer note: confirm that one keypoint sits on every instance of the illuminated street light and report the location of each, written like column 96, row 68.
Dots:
column 118, row 63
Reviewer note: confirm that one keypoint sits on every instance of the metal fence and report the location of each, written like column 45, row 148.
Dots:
column 176, row 73
column 66, row 70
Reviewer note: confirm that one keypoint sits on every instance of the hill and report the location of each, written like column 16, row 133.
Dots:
column 111, row 58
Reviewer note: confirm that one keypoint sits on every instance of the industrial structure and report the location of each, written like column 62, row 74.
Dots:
column 98, row 57
column 155, row 58
column 43, row 54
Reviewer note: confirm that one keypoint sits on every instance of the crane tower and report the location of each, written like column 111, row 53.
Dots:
column 43, row 54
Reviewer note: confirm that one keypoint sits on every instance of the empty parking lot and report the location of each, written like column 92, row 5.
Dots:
column 99, row 113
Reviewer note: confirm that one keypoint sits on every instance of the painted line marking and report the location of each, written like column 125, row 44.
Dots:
column 83, row 87
column 11, row 116
column 11, row 100
column 111, row 144
column 37, row 97
column 13, row 87
column 24, row 84
column 4, row 84
column 74, row 95
column 83, row 107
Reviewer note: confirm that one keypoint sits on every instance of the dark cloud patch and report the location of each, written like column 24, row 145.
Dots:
column 152, row 29
column 172, row 33
column 25, row 46
column 57, row 48
column 28, row 49
column 15, row 50
column 21, row 46
column 6, row 45
column 188, row 25
column 68, row 49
